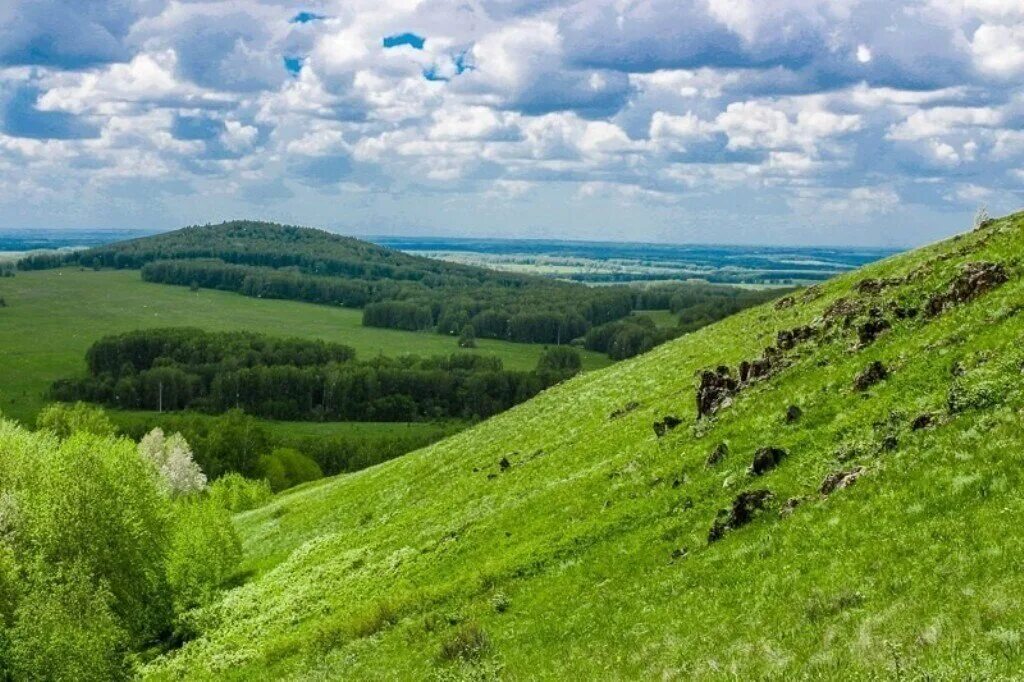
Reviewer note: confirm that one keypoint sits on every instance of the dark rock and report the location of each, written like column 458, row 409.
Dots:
column 869, row 286
column 665, row 425
column 874, row 373
column 842, row 310
column 905, row 313
column 922, row 421
column 679, row 553
column 785, row 302
column 838, row 480
column 742, row 511
column 745, row 371
column 766, row 459
column 872, row 328
column 720, row 452
column 760, row 368
column 974, row 280
column 714, row 390
column 504, row 464
column 789, row 338
column 624, row 410
column 793, row 414
column 875, row 286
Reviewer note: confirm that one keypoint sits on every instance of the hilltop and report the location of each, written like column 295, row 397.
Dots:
column 824, row 487
column 394, row 289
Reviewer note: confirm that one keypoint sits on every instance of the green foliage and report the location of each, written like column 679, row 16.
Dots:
column 95, row 559
column 204, row 551
column 94, row 504
column 67, row 630
column 468, row 643
column 287, row 467
column 236, row 493
column 63, row 420
column 467, row 339
column 173, row 369
column 560, row 360
column 60, row 313
column 395, row 290
column 906, row 566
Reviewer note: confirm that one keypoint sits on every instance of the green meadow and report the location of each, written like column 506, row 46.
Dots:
column 53, row 316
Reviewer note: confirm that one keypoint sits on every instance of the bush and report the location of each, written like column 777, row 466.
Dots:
column 94, row 504
column 468, row 337
column 562, row 360
column 63, row 420
column 204, row 551
column 468, row 643
column 236, row 493
column 66, row 630
column 95, row 556
column 286, row 467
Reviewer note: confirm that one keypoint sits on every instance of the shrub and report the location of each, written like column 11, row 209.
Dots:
column 204, row 551
column 64, row 420
column 236, row 493
column 286, row 467
column 468, row 643
column 172, row 459
column 560, row 360
column 93, row 503
column 468, row 337
column 67, row 630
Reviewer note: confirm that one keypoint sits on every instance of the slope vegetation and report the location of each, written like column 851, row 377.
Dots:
column 848, row 508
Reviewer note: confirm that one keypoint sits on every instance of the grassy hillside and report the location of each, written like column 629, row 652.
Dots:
column 53, row 316
column 564, row 539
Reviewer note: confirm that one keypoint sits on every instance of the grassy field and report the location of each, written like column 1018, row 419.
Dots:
column 53, row 316
column 662, row 318
column 564, row 540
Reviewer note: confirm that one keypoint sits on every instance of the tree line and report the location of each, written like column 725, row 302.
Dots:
column 395, row 290
column 178, row 369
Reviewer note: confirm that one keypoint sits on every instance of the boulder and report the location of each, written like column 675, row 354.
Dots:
column 742, row 511
column 766, row 459
column 974, row 280
column 922, row 421
column 665, row 425
column 872, row 374
column 717, row 454
column 714, row 390
column 793, row 414
column 838, row 480
column 872, row 328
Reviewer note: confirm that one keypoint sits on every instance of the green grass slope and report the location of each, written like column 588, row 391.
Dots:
column 587, row 556
column 53, row 316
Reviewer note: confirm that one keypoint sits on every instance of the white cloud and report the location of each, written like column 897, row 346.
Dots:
column 999, row 49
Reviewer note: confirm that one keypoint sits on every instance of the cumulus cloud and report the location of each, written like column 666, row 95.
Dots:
column 676, row 108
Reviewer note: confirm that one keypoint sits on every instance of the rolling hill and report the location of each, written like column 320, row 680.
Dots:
column 827, row 487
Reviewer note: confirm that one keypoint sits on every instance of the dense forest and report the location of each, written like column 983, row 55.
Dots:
column 394, row 289
column 292, row 379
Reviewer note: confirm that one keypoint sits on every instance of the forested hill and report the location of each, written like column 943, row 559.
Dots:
column 263, row 244
column 827, row 488
column 401, row 291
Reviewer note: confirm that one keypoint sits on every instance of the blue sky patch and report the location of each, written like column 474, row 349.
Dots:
column 306, row 17
column 411, row 39
column 293, row 65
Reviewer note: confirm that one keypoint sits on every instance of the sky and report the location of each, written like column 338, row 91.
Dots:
column 819, row 122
